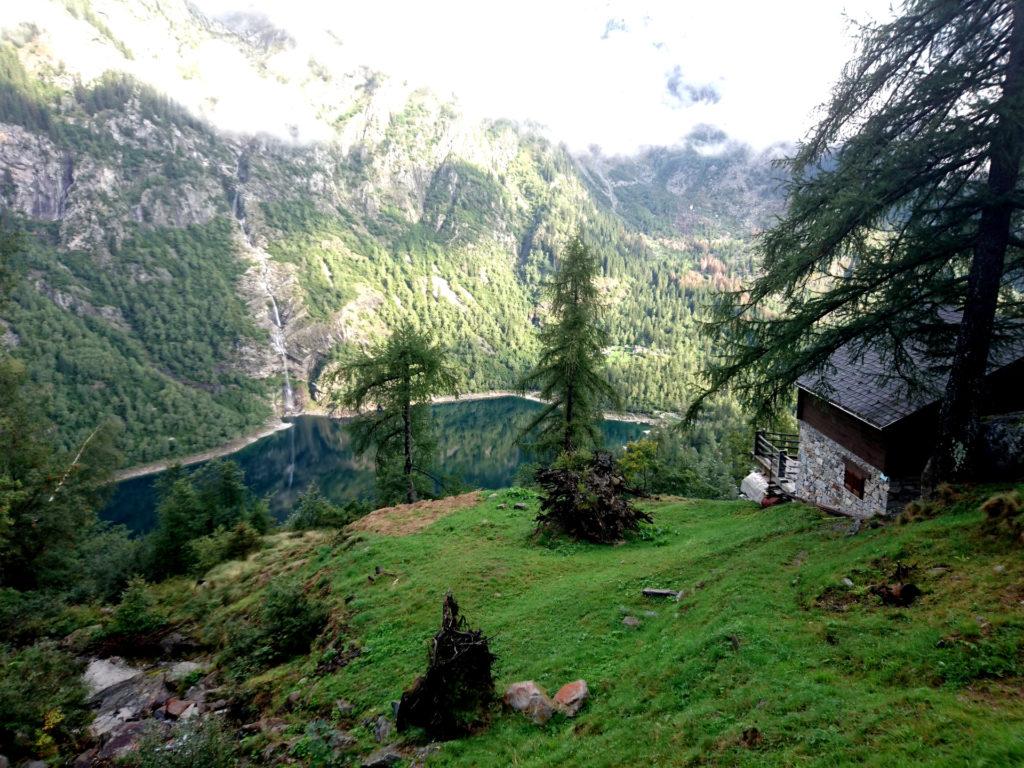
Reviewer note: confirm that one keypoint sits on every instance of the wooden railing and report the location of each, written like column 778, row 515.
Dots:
column 778, row 453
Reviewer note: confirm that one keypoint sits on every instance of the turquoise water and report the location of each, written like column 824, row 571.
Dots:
column 476, row 444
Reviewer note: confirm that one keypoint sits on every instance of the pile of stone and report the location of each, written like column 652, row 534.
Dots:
column 530, row 699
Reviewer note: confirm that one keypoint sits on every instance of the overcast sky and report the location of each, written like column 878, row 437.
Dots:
column 617, row 74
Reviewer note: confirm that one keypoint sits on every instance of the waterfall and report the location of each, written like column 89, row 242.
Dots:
column 278, row 340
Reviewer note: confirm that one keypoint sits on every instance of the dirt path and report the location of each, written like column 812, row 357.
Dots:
column 221, row 450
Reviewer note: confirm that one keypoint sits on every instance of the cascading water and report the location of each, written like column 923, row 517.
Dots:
column 278, row 340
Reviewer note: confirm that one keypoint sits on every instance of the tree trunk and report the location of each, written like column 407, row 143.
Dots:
column 410, row 489
column 955, row 456
column 567, row 444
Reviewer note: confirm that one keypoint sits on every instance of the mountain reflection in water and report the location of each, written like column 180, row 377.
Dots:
column 475, row 443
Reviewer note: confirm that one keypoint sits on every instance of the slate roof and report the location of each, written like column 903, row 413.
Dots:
column 868, row 389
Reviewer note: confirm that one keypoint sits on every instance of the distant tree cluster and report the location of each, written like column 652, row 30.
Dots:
column 204, row 518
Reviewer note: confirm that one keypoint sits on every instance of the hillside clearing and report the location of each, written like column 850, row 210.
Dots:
column 403, row 519
column 767, row 660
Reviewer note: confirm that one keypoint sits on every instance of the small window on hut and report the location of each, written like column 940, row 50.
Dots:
column 853, row 479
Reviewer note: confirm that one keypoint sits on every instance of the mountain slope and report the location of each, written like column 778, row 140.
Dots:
column 214, row 207
column 768, row 659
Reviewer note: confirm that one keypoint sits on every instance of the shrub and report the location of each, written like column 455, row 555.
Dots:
column 42, row 701
column 314, row 511
column 203, row 744
column 225, row 544
column 322, row 746
column 136, row 613
column 290, row 619
column 586, row 499
column 105, row 561
column 918, row 510
column 246, row 649
column 1004, row 516
column 27, row 616
column 287, row 623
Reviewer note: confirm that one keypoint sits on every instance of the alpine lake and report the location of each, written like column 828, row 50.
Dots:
column 476, row 444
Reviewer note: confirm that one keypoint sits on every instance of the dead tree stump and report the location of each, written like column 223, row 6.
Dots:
column 453, row 697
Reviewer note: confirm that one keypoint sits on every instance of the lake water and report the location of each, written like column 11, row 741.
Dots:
column 476, row 444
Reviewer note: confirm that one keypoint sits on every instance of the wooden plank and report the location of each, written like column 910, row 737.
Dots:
column 650, row 592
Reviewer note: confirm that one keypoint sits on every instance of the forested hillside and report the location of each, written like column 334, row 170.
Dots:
column 192, row 276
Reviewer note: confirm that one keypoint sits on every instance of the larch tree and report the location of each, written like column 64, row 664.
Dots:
column 903, row 228
column 391, row 386
column 569, row 372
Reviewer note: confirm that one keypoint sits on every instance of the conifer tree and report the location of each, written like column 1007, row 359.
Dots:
column 397, row 379
column 568, row 374
column 903, row 231
column 48, row 497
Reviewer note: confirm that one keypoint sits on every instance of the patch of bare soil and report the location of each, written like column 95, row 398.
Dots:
column 404, row 519
column 994, row 693
column 838, row 599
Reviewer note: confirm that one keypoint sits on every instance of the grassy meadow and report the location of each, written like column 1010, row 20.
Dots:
column 768, row 659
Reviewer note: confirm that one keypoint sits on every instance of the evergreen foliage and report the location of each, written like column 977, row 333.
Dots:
column 48, row 496
column 397, row 378
column 154, row 350
column 135, row 614
column 43, row 706
column 902, row 231
column 203, row 518
column 313, row 510
column 568, row 374
column 233, row 543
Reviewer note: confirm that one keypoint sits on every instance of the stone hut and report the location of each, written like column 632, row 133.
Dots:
column 865, row 434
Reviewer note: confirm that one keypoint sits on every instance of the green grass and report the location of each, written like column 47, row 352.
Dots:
column 750, row 646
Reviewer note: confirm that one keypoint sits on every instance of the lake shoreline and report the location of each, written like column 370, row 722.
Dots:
column 225, row 449
column 497, row 394
column 279, row 424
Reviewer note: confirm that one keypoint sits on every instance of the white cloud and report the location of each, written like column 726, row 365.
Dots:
column 599, row 73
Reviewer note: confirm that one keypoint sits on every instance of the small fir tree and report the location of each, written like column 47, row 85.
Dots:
column 568, row 374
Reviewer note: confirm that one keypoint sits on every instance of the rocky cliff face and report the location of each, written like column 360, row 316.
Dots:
column 151, row 149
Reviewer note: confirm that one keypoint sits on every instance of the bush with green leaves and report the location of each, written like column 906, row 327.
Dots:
column 322, row 746
column 106, row 561
column 291, row 618
column 207, row 502
column 224, row 544
column 136, row 614
column 313, row 510
column 640, row 465
column 43, row 711
column 194, row 744
column 286, row 623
